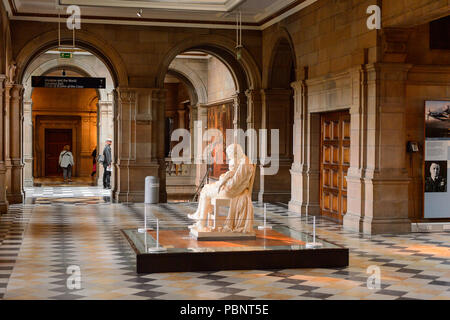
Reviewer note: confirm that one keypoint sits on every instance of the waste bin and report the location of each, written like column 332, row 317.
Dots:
column 151, row 190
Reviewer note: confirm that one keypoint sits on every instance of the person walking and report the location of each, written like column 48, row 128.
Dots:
column 107, row 162
column 66, row 163
column 94, row 162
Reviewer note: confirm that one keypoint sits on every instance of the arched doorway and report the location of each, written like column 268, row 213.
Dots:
column 201, row 93
column 278, row 108
column 83, row 117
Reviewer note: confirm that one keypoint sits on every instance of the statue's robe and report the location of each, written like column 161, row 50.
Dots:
column 240, row 216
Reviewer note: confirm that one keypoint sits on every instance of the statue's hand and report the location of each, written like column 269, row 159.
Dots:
column 220, row 187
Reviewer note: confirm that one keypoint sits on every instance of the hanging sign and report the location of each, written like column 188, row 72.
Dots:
column 65, row 55
column 437, row 159
column 68, row 82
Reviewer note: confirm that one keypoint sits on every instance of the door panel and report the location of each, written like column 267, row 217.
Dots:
column 335, row 161
column 55, row 140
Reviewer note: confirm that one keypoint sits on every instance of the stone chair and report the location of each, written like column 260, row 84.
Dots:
column 219, row 202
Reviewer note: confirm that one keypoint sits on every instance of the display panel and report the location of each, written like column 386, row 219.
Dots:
column 437, row 159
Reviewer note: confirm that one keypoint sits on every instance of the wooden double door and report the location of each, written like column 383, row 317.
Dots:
column 334, row 164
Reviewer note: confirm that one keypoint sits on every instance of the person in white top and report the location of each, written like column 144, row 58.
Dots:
column 66, row 163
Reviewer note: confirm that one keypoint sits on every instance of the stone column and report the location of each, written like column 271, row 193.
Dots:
column 28, row 143
column 7, row 138
column 253, row 119
column 14, row 165
column 377, row 178
column 240, row 111
column 3, row 199
column 140, row 144
column 181, row 121
column 105, row 131
column 158, row 106
column 193, row 118
column 304, row 171
column 198, row 144
column 276, row 114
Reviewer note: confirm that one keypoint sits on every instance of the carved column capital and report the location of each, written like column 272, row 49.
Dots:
column 2, row 82
column 16, row 91
column 126, row 95
column 302, row 73
column 239, row 98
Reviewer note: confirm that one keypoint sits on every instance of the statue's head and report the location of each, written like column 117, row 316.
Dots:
column 235, row 152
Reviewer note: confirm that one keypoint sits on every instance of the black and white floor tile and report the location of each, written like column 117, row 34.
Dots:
column 40, row 240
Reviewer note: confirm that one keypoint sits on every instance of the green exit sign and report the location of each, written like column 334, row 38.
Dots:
column 65, row 55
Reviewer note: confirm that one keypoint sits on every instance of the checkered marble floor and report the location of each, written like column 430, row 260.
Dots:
column 39, row 242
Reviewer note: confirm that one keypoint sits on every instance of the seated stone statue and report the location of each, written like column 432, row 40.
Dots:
column 234, row 185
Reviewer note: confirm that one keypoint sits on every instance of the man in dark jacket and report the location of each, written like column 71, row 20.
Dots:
column 107, row 161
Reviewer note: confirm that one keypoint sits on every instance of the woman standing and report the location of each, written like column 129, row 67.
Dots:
column 66, row 163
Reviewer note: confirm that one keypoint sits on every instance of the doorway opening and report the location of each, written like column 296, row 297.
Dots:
column 200, row 89
column 81, row 118
column 55, row 141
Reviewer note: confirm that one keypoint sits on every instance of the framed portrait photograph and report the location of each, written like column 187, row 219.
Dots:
column 435, row 176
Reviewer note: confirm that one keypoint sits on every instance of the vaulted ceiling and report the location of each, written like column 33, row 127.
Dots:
column 256, row 14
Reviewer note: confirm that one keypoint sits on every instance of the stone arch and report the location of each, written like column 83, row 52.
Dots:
column 282, row 56
column 103, row 51
column 278, row 96
column 187, row 82
column 86, row 41
column 245, row 71
column 193, row 78
column 51, row 65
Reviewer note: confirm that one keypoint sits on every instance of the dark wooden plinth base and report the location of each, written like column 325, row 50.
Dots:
column 242, row 260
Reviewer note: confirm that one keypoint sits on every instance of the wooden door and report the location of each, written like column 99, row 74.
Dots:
column 334, row 164
column 55, row 140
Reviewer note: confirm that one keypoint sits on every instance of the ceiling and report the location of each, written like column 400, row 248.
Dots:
column 256, row 14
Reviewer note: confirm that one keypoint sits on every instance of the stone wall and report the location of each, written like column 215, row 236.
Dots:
column 5, row 53
column 428, row 79
column 220, row 82
column 151, row 46
column 327, row 37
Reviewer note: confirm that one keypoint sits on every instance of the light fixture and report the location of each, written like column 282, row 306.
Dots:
column 139, row 13
column 239, row 35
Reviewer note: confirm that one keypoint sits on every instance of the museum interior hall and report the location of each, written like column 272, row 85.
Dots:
column 224, row 150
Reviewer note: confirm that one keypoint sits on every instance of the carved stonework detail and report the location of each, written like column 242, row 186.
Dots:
column 395, row 44
column 126, row 95
column 12, row 72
